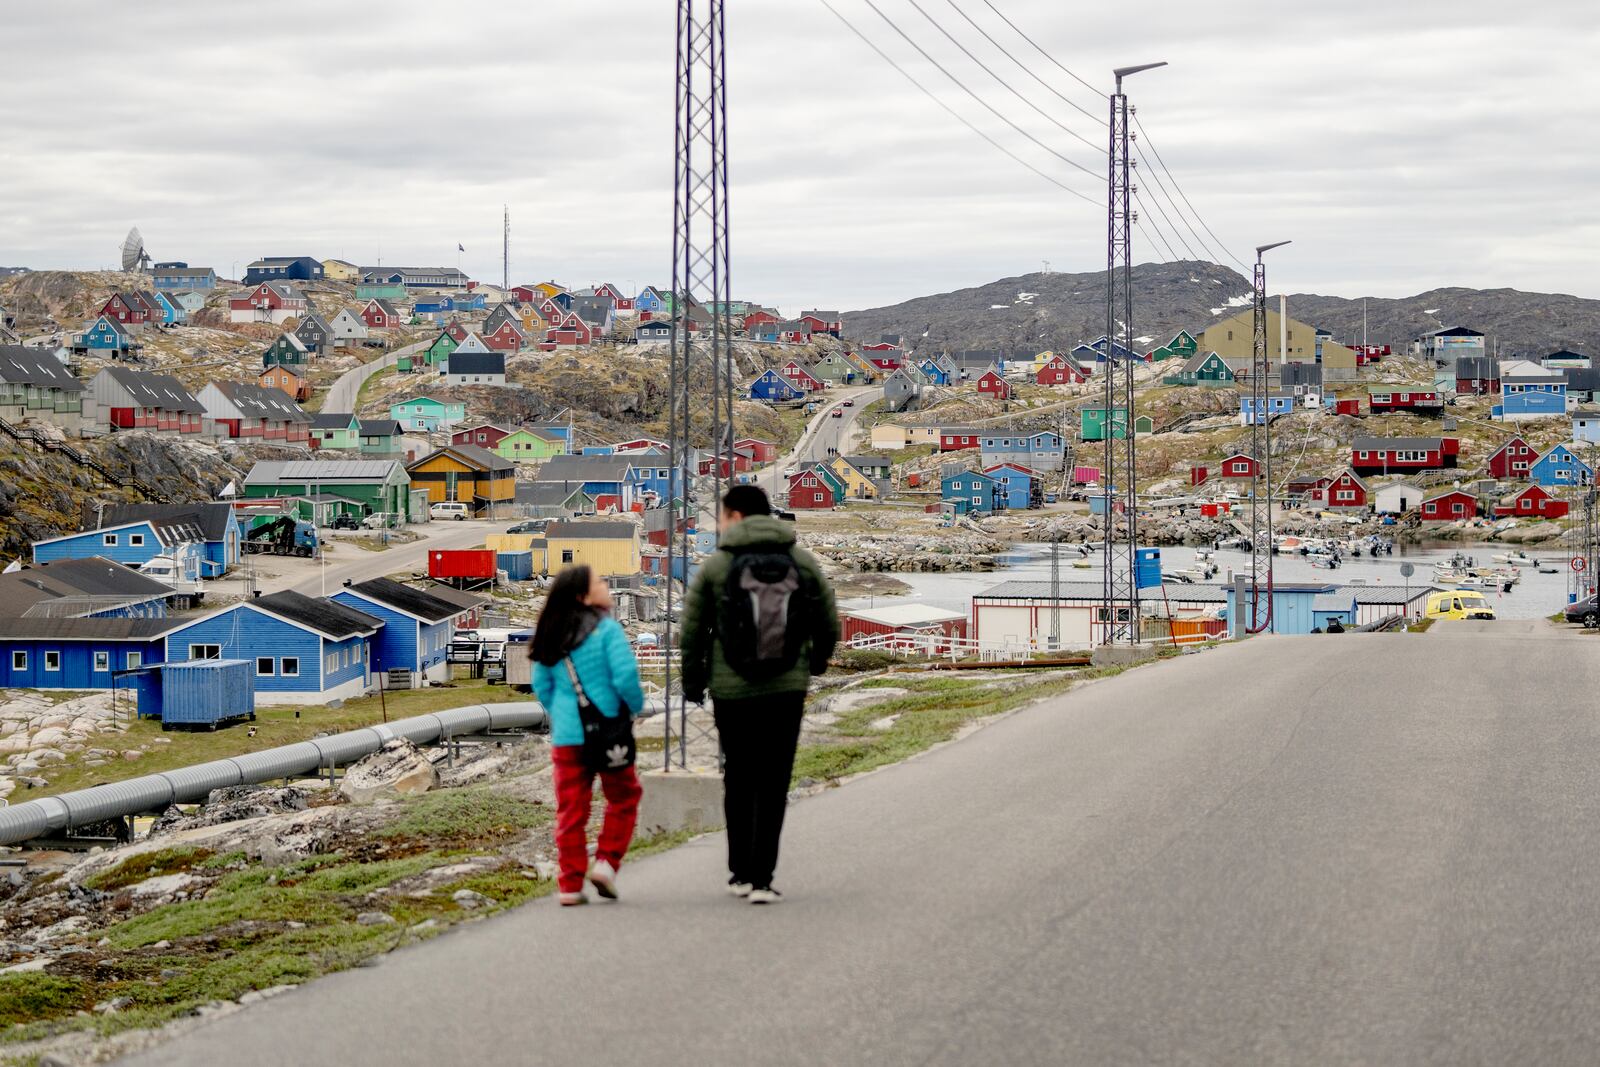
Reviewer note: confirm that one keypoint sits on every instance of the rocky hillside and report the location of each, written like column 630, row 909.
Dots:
column 1054, row 311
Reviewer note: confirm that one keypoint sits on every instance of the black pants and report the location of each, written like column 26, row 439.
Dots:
column 759, row 736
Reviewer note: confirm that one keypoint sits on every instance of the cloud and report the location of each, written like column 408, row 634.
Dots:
column 1402, row 147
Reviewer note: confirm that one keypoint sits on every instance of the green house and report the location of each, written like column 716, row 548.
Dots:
column 441, row 348
column 377, row 485
column 332, row 430
column 1183, row 345
column 529, row 446
column 832, row 368
column 427, row 414
column 835, row 483
column 1143, row 424
column 381, row 291
column 1203, row 368
column 1092, row 423
column 380, row 437
column 287, row 350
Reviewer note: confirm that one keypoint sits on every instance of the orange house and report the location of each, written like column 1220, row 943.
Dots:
column 281, row 377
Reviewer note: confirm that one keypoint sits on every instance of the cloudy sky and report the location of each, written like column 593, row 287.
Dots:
column 1402, row 146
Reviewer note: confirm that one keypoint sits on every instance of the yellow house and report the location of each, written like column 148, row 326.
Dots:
column 468, row 474
column 549, row 289
column 533, row 324
column 1234, row 339
column 1042, row 358
column 856, row 484
column 611, row 548
column 337, row 270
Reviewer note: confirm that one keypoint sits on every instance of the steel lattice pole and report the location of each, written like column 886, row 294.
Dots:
column 700, row 401
column 1261, row 455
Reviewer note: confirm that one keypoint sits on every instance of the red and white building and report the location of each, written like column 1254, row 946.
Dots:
column 565, row 331
column 1417, row 401
column 990, row 383
column 1347, row 492
column 1512, row 460
column 1449, row 506
column 246, row 412
column 272, row 302
column 125, row 399
column 1059, row 370
column 760, row 451
column 504, row 338
column 484, row 435
column 907, row 626
column 957, row 438
column 808, row 490
column 126, row 308
column 1403, row 455
column 379, row 314
column 1237, row 465
column 800, row 376
column 1534, row 502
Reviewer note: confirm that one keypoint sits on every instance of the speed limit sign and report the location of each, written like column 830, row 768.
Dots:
column 1579, row 563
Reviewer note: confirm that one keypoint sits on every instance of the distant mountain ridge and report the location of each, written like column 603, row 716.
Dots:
column 1056, row 311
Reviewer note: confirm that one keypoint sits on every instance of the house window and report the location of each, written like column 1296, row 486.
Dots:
column 264, row 666
column 566, row 555
column 134, row 659
column 109, row 540
column 52, row 661
column 205, row 651
column 136, row 540
column 1458, row 508
column 19, row 661
column 289, row 666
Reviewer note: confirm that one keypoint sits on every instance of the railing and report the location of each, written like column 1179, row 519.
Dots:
column 50, row 444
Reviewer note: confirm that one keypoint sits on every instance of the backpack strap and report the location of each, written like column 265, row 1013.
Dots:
column 577, row 687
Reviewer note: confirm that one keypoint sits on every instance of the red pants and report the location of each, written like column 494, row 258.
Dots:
column 574, row 794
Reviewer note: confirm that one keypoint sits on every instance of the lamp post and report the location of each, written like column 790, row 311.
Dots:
column 1261, row 452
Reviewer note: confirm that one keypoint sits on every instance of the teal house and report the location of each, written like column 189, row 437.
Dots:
column 426, row 414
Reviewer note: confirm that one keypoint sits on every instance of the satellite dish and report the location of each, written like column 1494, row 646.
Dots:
column 134, row 257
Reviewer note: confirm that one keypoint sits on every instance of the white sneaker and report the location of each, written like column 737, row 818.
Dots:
column 768, row 895
column 739, row 889
column 603, row 877
column 572, row 899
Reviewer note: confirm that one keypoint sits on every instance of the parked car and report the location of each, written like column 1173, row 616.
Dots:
column 447, row 509
column 380, row 520
column 1586, row 611
column 531, row 526
column 345, row 521
column 1458, row 604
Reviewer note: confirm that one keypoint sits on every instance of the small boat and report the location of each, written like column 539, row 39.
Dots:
column 1082, row 563
column 1517, row 556
column 1547, row 567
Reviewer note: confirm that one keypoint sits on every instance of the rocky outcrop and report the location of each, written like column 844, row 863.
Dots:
column 397, row 767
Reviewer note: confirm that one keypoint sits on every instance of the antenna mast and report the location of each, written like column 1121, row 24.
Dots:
column 505, row 253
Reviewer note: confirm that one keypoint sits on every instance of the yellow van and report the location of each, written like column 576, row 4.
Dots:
column 1458, row 604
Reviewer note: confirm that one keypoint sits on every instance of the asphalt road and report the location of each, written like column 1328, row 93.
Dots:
column 1382, row 853
column 821, row 433
column 358, row 565
column 343, row 392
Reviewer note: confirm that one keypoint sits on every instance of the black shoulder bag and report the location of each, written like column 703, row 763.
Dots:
column 608, row 743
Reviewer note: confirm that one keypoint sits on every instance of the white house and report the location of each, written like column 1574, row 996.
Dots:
column 1397, row 498
column 347, row 329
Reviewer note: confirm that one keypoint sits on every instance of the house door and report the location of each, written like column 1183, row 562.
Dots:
column 450, row 485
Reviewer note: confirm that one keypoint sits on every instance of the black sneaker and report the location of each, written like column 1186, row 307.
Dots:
column 765, row 895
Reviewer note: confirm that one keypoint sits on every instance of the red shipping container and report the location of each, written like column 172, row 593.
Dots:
column 913, row 479
column 1208, row 511
column 1085, row 475
column 1198, row 475
column 461, row 563
column 1347, row 407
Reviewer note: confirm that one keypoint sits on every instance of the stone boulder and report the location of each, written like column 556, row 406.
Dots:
column 231, row 805
column 397, row 767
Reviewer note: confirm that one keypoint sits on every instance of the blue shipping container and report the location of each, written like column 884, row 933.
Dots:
column 206, row 691
column 517, row 565
column 1147, row 568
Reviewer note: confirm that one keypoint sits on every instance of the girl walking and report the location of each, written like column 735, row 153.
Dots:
column 580, row 652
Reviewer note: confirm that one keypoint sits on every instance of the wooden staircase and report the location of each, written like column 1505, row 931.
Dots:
column 46, row 443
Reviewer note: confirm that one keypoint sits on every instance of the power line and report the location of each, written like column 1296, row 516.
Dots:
column 980, row 100
column 1210, row 255
column 1041, row 51
column 1162, row 163
column 1026, row 69
column 953, row 112
column 1171, row 255
column 1163, row 213
column 1007, row 85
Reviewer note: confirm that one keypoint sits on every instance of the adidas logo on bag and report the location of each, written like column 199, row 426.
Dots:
column 618, row 755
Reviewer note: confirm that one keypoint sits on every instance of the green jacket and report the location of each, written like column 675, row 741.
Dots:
column 705, row 668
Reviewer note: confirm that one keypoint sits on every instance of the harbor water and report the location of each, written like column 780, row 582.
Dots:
column 1535, row 596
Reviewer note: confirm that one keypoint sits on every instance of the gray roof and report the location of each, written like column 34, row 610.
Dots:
column 384, row 306
column 1381, row 444
column 210, row 517
column 34, row 583
column 463, row 600
column 327, row 617
column 182, row 272
column 154, row 390
column 546, row 494
column 259, row 402
column 35, row 366
column 589, row 530
column 379, row 427
column 477, row 362
column 584, row 469
column 47, row 629
column 332, row 420
column 301, row 471
column 412, row 601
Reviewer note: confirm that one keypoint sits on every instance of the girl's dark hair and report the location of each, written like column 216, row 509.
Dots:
column 565, row 619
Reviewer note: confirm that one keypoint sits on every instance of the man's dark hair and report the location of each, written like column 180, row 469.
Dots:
column 747, row 500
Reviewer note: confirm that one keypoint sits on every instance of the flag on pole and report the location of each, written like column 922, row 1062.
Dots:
column 460, row 249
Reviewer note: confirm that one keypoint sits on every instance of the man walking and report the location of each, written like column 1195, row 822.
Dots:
column 760, row 620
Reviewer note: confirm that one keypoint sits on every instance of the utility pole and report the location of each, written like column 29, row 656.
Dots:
column 700, row 374
column 1260, row 617
column 505, row 252
column 1119, row 583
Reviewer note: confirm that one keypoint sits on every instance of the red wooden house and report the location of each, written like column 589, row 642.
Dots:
column 1237, row 465
column 800, row 377
column 1450, row 506
column 1532, row 503
column 1416, row 401
column 1350, row 406
column 885, row 355
column 760, row 451
column 566, row 331
column 485, row 435
column 1512, row 460
column 1403, row 455
column 526, row 294
column 272, row 301
column 1347, row 492
column 991, row 384
column 127, row 309
column 1311, row 490
column 758, row 318
column 504, row 338
column 956, row 438
column 809, row 490
column 284, row 378
column 379, row 314
column 457, row 332
column 1058, row 370
column 823, row 322
column 640, row 444
column 618, row 300
column 916, row 623
column 126, row 399
column 741, row 463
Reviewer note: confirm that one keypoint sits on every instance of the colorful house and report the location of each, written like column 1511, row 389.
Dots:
column 1275, row 405
column 1560, row 466
column 968, row 492
column 313, row 332
column 286, row 380
column 379, row 314
column 610, row 549
column 1092, row 423
column 35, row 384
column 527, row 445
column 466, row 474
column 379, row 438
column 1449, row 506
column 833, row 369
column 1586, row 425
column 1060, row 370
column 347, row 329
column 1529, row 391
column 652, row 302
column 174, row 277
column 335, row 430
column 1015, row 487
column 958, row 438
column 439, row 351
column 1403, row 455
column 1238, row 466
column 1476, row 375
column 301, row 647
column 484, row 435
column 1512, row 460
column 610, row 481
column 1532, row 502
column 991, row 384
column 427, row 414
column 273, row 302
column 799, row 375
column 1347, row 492
column 284, row 268
column 506, row 337
column 1203, row 368
column 105, row 335
column 133, row 542
column 858, row 485
column 1387, row 400
column 243, row 411
column 121, row 398
column 772, row 386
column 1041, row 451
column 286, row 350
column 380, row 486
column 475, row 368
column 808, row 490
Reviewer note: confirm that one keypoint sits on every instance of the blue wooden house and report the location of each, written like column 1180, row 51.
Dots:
column 1293, row 607
column 935, row 372
column 93, row 588
column 106, row 334
column 651, row 301
column 1013, row 486
column 303, row 648
column 771, row 385
column 1276, row 404
column 1041, row 451
column 172, row 311
column 131, row 543
column 650, row 473
column 1529, row 391
column 610, row 480
column 77, row 653
column 969, row 492
column 1560, row 466
column 417, row 627
column 182, row 276
column 283, row 269
column 438, row 305
column 220, row 535
column 1586, row 426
